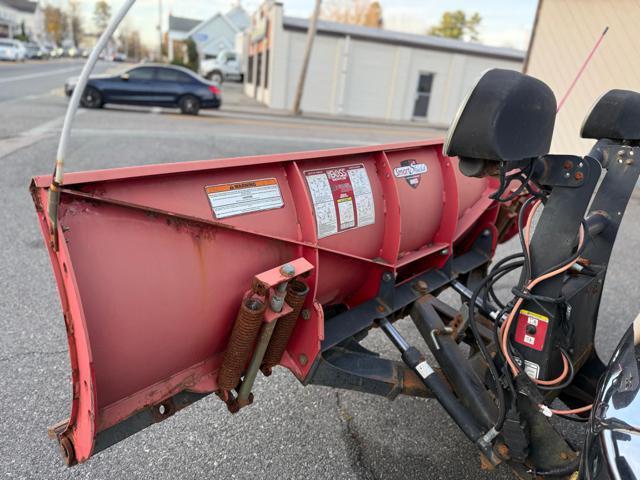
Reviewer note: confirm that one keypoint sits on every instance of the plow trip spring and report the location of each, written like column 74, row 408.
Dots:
column 242, row 265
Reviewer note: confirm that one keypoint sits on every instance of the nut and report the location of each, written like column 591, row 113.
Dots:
column 287, row 270
column 306, row 314
column 303, row 359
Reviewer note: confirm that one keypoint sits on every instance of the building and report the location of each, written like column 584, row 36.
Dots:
column 366, row 72
column 559, row 47
column 19, row 15
column 219, row 32
column 179, row 28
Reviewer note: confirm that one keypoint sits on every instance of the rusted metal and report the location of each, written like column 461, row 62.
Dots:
column 67, row 451
column 244, row 393
column 296, row 295
column 243, row 336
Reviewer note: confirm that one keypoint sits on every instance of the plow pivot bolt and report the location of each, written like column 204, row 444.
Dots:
column 288, row 270
column 421, row 286
column 306, row 314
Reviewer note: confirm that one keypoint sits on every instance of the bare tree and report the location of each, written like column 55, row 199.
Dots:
column 357, row 12
column 55, row 23
column 75, row 21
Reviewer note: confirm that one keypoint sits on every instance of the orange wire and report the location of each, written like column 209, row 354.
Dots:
column 573, row 411
column 507, row 325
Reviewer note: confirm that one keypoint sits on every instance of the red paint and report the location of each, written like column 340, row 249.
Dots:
column 531, row 330
column 151, row 281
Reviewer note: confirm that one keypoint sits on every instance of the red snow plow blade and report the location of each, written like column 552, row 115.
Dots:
column 172, row 277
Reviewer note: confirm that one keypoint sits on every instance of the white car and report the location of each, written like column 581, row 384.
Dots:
column 12, row 50
column 224, row 67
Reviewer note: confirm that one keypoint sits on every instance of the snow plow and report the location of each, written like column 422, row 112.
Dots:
column 183, row 280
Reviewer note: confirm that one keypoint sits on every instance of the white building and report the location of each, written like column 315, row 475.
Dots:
column 559, row 47
column 219, row 32
column 14, row 14
column 366, row 72
column 179, row 28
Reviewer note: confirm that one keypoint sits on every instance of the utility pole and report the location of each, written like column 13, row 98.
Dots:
column 313, row 23
column 160, row 30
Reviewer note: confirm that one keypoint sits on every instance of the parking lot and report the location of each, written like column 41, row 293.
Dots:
column 290, row 431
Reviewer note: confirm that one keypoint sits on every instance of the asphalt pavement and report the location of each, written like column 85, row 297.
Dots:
column 291, row 431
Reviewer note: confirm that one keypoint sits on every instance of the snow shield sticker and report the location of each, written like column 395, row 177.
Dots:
column 411, row 171
column 342, row 199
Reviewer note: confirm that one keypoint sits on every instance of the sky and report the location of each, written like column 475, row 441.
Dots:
column 505, row 23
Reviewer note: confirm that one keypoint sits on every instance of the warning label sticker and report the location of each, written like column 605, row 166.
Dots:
column 230, row 199
column 531, row 369
column 342, row 198
column 531, row 329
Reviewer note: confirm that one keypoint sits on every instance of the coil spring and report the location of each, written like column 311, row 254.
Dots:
column 243, row 338
column 296, row 295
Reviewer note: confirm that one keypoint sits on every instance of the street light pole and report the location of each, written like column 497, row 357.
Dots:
column 160, row 30
column 313, row 23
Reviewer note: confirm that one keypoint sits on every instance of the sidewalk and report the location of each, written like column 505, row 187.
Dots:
column 236, row 102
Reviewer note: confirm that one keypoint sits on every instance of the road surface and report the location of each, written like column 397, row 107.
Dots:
column 290, row 431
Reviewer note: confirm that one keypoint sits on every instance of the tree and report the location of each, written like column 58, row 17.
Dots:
column 55, row 23
column 457, row 25
column 357, row 12
column 75, row 21
column 101, row 15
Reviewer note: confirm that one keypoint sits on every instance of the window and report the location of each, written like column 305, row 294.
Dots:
column 258, row 69
column 421, row 105
column 144, row 73
column 171, row 75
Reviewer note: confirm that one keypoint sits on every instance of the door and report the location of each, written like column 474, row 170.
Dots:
column 423, row 95
column 170, row 85
column 134, row 87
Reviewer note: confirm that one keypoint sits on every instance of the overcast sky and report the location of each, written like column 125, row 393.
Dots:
column 504, row 22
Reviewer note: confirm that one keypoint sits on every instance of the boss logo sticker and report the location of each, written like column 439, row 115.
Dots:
column 411, row 171
column 337, row 174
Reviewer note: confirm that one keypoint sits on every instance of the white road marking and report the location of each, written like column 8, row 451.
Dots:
column 32, row 136
column 29, row 76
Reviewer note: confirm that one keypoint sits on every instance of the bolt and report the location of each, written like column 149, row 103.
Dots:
column 619, row 160
column 303, row 359
column 567, row 165
column 631, row 152
column 503, row 450
column 444, row 251
column 381, row 309
column 567, row 174
column 421, row 287
column 387, row 277
column 629, row 162
column 579, row 176
column 288, row 270
column 620, row 152
column 306, row 314
column 486, row 233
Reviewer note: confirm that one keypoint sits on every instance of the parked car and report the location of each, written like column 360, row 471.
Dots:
column 12, row 50
column 153, row 85
column 34, row 51
column 224, row 67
